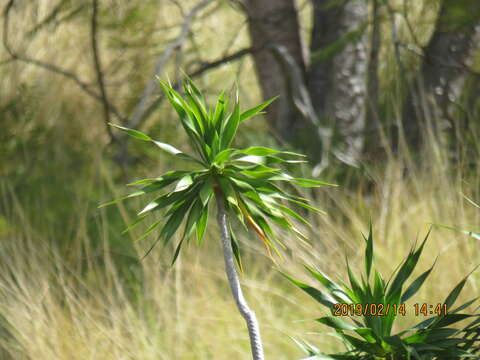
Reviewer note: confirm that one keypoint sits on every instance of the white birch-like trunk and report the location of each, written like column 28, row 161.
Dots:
column 245, row 311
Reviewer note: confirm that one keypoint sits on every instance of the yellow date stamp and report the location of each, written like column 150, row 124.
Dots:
column 424, row 309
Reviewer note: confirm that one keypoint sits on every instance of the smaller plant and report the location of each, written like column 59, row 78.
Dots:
column 373, row 304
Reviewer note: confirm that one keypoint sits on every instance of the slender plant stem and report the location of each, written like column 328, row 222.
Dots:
column 245, row 311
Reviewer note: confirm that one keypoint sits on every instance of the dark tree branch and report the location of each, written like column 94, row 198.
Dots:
column 98, row 69
column 211, row 65
column 49, row 18
column 234, row 38
column 101, row 95
column 47, row 66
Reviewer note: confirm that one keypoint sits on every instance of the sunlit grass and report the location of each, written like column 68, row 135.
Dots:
column 55, row 310
column 76, row 301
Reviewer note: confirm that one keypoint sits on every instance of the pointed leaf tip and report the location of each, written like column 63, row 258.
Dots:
column 135, row 133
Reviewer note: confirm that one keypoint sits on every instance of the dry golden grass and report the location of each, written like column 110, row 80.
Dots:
column 78, row 306
column 53, row 310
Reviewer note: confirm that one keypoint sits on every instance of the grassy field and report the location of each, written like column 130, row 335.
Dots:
column 91, row 308
column 72, row 287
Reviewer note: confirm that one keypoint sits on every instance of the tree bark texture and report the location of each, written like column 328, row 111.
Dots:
column 276, row 22
column 337, row 76
column 440, row 80
column 243, row 308
column 373, row 134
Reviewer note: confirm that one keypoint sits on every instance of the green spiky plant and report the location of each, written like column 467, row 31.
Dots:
column 370, row 337
column 243, row 182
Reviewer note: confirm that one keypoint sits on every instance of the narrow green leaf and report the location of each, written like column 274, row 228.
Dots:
column 310, row 182
column 241, row 185
column 452, row 297
column 202, row 225
column 145, row 190
column 256, row 110
column 149, row 230
column 228, row 191
column 231, row 126
column 368, row 335
column 178, row 153
column 134, row 224
column 407, row 268
column 169, row 175
column 175, row 220
column 270, row 160
column 187, row 118
column 160, row 202
column 223, row 156
column 193, row 216
column 259, row 151
column 450, row 319
column 135, row 133
column 319, row 296
column 464, row 306
column 142, row 182
column 184, row 183
column 336, row 323
column 378, row 286
column 306, row 206
column 363, row 345
column 235, row 248
column 334, row 289
column 415, row 286
column 177, row 251
column 369, row 252
column 358, row 292
column 206, row 191
column 196, row 93
column 472, row 234
column 292, row 213
column 219, row 109
column 253, row 159
column 136, row 193
column 167, row 147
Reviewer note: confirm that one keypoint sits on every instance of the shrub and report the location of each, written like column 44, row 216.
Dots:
column 373, row 305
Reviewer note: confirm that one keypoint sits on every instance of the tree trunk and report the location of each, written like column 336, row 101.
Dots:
column 373, row 126
column 276, row 22
column 440, row 79
column 245, row 311
column 337, row 77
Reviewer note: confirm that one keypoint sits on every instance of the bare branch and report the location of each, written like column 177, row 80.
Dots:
column 49, row 18
column 175, row 45
column 98, row 69
column 47, row 66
